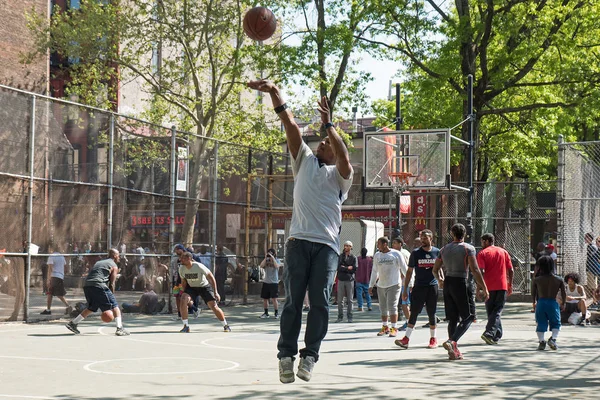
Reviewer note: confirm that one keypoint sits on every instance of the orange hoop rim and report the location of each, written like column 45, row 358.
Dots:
column 402, row 177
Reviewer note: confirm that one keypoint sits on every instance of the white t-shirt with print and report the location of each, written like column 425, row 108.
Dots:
column 319, row 191
column 196, row 275
column 388, row 268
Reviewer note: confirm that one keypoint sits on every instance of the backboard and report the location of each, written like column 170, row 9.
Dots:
column 415, row 159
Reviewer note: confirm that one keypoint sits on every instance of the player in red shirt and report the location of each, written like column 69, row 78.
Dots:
column 497, row 270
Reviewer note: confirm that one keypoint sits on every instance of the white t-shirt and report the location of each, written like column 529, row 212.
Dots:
column 405, row 255
column 388, row 267
column 57, row 262
column 196, row 275
column 319, row 191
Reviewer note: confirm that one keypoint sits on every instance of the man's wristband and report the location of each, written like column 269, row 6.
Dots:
column 329, row 125
column 281, row 108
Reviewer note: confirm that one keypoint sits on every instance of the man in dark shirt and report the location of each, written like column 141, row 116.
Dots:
column 221, row 263
column 345, row 273
column 98, row 289
column 425, row 289
column 148, row 303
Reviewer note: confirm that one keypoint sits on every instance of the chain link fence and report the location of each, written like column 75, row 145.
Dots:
column 579, row 211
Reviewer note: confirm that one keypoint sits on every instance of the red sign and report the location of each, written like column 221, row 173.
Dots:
column 160, row 221
column 420, row 212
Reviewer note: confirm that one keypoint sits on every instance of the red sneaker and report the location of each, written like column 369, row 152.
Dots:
column 432, row 343
column 403, row 343
column 385, row 330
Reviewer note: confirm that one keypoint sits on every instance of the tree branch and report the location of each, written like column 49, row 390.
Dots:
column 444, row 16
column 533, row 106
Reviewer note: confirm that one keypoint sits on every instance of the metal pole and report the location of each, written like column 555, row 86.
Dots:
column 214, row 207
column 399, row 149
column 111, row 168
column 29, row 210
column 172, row 200
column 471, row 127
column 247, row 231
column 560, row 206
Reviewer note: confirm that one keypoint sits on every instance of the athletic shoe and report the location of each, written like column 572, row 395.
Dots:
column 276, row 316
column 46, row 312
column 488, row 339
column 124, row 332
column 69, row 310
column 432, row 343
column 452, row 349
column 403, row 343
column 385, row 330
column 286, row 370
column 305, row 367
column 339, row 320
column 403, row 327
column 185, row 329
column 369, row 309
column 393, row 332
column 197, row 312
column 581, row 321
column 73, row 328
column 350, row 320
column 437, row 321
column 552, row 344
column 226, row 328
column 542, row 345
column 305, row 309
column 360, row 309
column 265, row 316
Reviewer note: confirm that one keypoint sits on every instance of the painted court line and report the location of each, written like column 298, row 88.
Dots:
column 45, row 359
column 89, row 367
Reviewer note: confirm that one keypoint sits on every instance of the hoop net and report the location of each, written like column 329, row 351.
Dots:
column 400, row 181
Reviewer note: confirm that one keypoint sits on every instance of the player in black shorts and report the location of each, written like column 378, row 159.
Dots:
column 425, row 289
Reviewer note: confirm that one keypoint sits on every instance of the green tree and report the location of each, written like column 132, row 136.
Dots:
column 198, row 83
column 530, row 83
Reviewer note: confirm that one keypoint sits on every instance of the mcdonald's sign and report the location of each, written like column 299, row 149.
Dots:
column 420, row 212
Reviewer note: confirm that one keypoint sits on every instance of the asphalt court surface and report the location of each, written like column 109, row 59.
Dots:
column 46, row 361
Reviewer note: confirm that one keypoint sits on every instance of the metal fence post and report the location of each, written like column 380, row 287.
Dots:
column 560, row 206
column 30, row 210
column 173, row 185
column 214, row 207
column 111, row 167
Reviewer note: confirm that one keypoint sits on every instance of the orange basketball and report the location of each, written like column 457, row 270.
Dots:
column 107, row 316
column 259, row 23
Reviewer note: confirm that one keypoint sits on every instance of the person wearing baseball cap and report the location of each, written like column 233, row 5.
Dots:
column 346, row 269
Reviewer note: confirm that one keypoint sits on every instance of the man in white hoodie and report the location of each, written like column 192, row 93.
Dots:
column 388, row 268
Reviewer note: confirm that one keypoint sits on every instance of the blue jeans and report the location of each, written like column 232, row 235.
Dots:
column 360, row 288
column 307, row 265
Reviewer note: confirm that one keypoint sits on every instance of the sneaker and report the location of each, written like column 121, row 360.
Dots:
column 305, row 309
column 393, row 332
column 226, row 328
column 403, row 343
column 185, row 329
column 339, row 320
column 73, row 328
column 125, row 332
column 46, row 312
column 197, row 312
column 581, row 321
column 264, row 316
column 542, row 345
column 305, row 367
column 369, row 309
column 69, row 310
column 452, row 349
column 488, row 339
column 350, row 320
column 432, row 343
column 276, row 316
column 437, row 321
column 360, row 309
column 552, row 344
column 403, row 327
column 286, row 370
column 385, row 330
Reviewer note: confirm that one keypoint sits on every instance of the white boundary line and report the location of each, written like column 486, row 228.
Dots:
column 18, row 396
column 89, row 367
column 46, row 359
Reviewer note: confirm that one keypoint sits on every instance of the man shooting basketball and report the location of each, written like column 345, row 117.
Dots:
column 321, row 185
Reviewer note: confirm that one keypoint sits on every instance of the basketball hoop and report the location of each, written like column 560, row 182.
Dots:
column 400, row 181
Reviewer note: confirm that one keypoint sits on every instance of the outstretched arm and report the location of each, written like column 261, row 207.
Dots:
column 292, row 130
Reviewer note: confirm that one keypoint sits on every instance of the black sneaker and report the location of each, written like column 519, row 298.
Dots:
column 46, row 312
column 552, row 344
column 226, row 328
column 542, row 345
column 437, row 321
column 73, row 328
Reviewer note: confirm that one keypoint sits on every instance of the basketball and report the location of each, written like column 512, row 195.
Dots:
column 107, row 316
column 259, row 23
